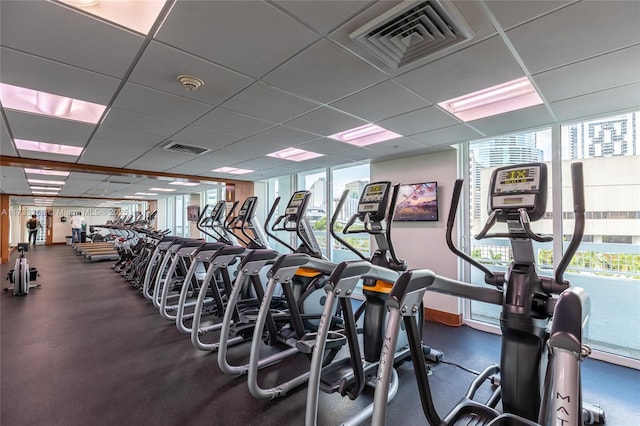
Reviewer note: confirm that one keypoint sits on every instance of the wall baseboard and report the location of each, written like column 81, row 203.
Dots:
column 442, row 317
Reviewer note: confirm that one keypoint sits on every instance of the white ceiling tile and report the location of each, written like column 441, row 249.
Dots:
column 576, row 32
column 12, row 180
column 203, row 164
column 230, row 28
column 592, row 75
column 161, row 65
column 511, row 13
column 281, row 135
column 324, row 72
column 381, row 101
column 396, row 146
column 45, row 75
column 599, row 103
column 86, row 178
column 325, row 121
column 522, row 119
column 250, row 148
column 6, row 146
column 262, row 163
column 268, row 103
column 56, row 32
column 107, row 134
column 140, row 123
column 326, row 146
column 477, row 67
column 111, row 154
column 143, row 100
column 323, row 16
column 225, row 121
column 447, row 135
column 419, row 121
column 41, row 128
column 159, row 158
column 357, row 154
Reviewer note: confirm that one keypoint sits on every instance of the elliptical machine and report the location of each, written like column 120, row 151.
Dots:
column 22, row 276
column 348, row 376
column 517, row 196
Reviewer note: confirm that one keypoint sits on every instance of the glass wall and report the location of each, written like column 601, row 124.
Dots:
column 353, row 179
column 607, row 263
column 484, row 157
column 316, row 182
column 267, row 192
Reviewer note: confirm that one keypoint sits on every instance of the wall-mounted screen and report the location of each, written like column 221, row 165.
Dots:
column 192, row 213
column 417, row 202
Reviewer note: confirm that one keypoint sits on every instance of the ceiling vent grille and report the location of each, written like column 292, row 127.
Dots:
column 413, row 30
column 186, row 149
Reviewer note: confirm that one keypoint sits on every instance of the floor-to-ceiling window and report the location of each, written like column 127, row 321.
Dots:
column 316, row 182
column 268, row 191
column 353, row 179
column 607, row 263
column 484, row 157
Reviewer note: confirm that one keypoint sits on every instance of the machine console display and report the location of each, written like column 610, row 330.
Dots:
column 247, row 208
column 296, row 203
column 217, row 209
column 374, row 200
column 519, row 186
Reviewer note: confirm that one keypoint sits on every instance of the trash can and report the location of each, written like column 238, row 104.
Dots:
column 69, row 240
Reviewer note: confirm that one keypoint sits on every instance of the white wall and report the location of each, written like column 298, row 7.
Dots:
column 423, row 244
column 93, row 216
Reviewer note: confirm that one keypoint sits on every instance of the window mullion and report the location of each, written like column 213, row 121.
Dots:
column 556, row 194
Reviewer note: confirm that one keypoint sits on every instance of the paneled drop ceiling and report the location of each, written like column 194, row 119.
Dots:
column 280, row 74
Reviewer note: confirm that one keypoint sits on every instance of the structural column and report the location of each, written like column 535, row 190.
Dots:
column 4, row 228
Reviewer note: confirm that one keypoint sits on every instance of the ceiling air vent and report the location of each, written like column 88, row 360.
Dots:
column 413, row 30
column 186, row 149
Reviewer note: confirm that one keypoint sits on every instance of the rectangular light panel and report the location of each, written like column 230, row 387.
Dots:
column 510, row 96
column 365, row 135
column 46, row 172
column 49, row 148
column 294, row 154
column 232, row 170
column 42, row 103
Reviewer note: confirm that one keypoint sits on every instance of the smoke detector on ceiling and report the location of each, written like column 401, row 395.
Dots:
column 190, row 82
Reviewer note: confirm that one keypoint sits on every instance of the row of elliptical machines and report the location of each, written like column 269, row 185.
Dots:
column 539, row 371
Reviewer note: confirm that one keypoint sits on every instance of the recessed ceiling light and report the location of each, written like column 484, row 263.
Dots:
column 162, row 189
column 177, row 182
column 46, row 182
column 146, row 193
column 49, row 148
column 365, row 135
column 232, row 170
column 46, row 172
column 46, row 188
column 136, row 15
column 295, row 154
column 33, row 101
column 510, row 96
column 44, row 193
column 130, row 196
